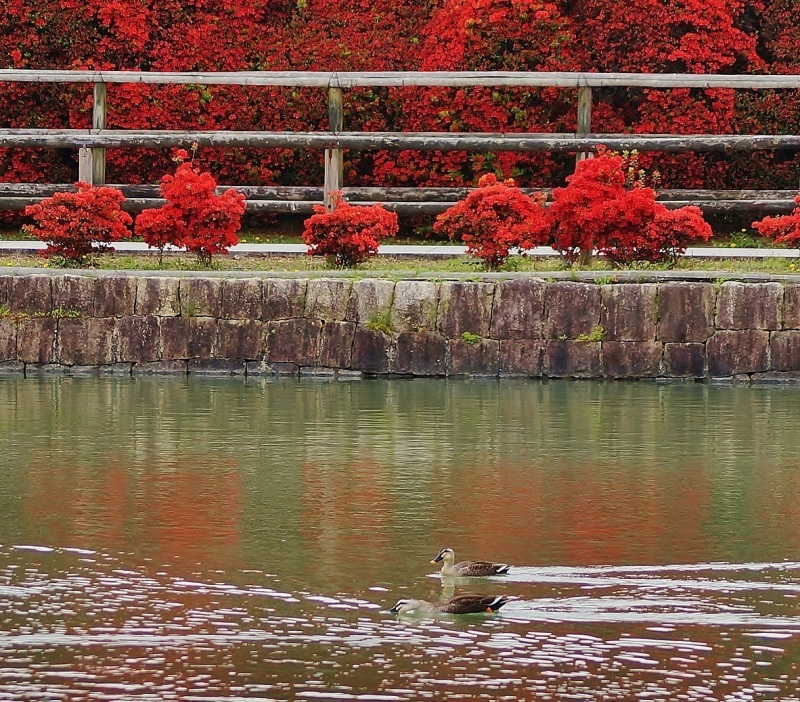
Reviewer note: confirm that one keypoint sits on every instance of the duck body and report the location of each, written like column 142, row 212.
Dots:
column 450, row 568
column 463, row 604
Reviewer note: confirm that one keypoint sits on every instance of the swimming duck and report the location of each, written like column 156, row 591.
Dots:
column 450, row 568
column 463, row 604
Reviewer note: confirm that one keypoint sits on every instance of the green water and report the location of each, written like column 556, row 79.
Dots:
column 204, row 539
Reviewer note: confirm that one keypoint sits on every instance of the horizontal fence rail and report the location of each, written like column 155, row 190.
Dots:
column 92, row 143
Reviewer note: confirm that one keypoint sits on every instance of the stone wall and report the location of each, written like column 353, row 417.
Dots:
column 519, row 326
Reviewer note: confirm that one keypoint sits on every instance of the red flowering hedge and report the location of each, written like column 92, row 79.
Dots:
column 496, row 218
column 785, row 229
column 75, row 225
column 349, row 234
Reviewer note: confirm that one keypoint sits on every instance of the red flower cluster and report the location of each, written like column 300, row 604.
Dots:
column 194, row 217
column 496, row 218
column 349, row 234
column 596, row 210
column 75, row 225
column 785, row 229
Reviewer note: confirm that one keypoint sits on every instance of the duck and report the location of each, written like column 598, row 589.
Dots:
column 450, row 568
column 462, row 604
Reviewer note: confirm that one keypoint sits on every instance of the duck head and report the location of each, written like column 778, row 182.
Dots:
column 447, row 555
column 404, row 606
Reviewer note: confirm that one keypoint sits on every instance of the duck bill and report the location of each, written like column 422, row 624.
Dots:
column 436, row 560
column 394, row 610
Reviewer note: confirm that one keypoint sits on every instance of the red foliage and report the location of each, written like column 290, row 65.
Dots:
column 596, row 210
column 194, row 216
column 349, row 234
column 496, row 218
column 77, row 224
column 785, row 229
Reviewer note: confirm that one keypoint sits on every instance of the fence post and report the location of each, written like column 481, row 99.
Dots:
column 99, row 122
column 584, row 127
column 334, row 170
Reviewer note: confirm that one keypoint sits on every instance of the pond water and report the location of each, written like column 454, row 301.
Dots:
column 220, row 539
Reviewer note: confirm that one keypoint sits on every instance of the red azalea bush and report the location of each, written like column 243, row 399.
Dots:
column 784, row 229
column 597, row 211
column 349, row 234
column 194, row 217
column 496, row 218
column 75, row 225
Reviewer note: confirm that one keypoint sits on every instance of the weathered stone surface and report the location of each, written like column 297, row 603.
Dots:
column 791, row 306
column 521, row 357
column 261, row 368
column 464, row 307
column 161, row 368
column 138, row 339
column 749, row 305
column 240, row 339
column 74, row 293
column 201, row 297
column 327, row 298
column 733, row 352
column 242, row 298
column 317, row 372
column 373, row 351
column 571, row 309
column 187, row 337
column 8, row 340
column 5, row 284
column 9, row 367
column 36, row 340
column 85, row 342
column 47, row 369
column 685, row 311
column 421, row 353
column 414, row 307
column 336, row 344
column 284, row 298
column 481, row 358
column 572, row 359
column 158, row 296
column 114, row 296
column 629, row 311
column 294, row 341
column 216, row 366
column 631, row 359
column 776, row 378
column 518, row 309
column 785, row 350
column 31, row 294
column 685, row 360
column 370, row 299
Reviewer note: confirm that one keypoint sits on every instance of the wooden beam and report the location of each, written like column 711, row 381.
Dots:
column 99, row 111
column 334, row 162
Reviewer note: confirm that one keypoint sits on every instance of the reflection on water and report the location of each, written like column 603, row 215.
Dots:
column 201, row 539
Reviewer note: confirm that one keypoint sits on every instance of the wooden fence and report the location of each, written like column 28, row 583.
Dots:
column 92, row 143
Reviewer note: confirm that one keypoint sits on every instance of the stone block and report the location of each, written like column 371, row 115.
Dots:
column 734, row 352
column 571, row 309
column 5, row 284
column 138, row 339
column 36, row 339
column 74, row 293
column 414, row 306
column 421, row 353
column 240, row 339
column 791, row 307
column 201, row 297
column 242, row 298
column 373, row 350
column 327, row 298
column 114, row 296
column 685, row 360
column 284, row 298
column 521, row 357
column 8, row 340
column 370, row 298
column 572, row 359
column 336, row 344
column 216, row 366
column 629, row 311
column 464, row 307
column 518, row 309
column 187, row 337
column 631, row 359
column 31, row 294
column 158, row 296
column 785, row 350
column 11, row 367
column 262, row 368
column 685, row 311
column 481, row 358
column 294, row 341
column 749, row 305
column 161, row 368
column 85, row 342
